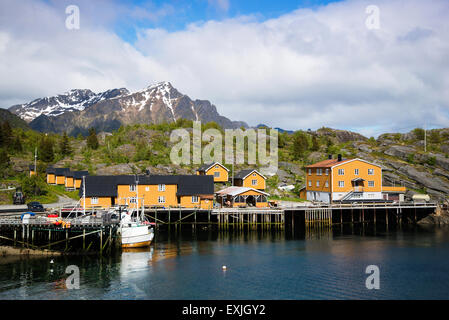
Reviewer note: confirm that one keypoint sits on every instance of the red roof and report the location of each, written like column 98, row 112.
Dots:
column 327, row 163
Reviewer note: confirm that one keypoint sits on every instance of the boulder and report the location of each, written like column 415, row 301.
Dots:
column 117, row 169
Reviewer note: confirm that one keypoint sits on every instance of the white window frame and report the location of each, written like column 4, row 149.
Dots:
column 147, row 188
column 356, row 172
column 161, row 199
column 310, row 183
column 327, row 184
column 133, row 200
column 341, row 183
column 254, row 174
column 132, row 188
column 161, row 187
column 94, row 200
column 372, row 172
column 254, row 182
column 195, row 199
column 318, row 183
column 217, row 174
column 327, row 172
column 341, row 172
column 310, row 172
column 371, row 183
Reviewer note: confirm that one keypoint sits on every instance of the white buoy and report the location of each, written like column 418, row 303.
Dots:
column 224, row 267
column 51, row 261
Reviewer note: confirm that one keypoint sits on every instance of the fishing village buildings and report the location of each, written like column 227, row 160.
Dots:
column 347, row 180
column 331, row 180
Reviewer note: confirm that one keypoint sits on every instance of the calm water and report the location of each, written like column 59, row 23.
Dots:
column 414, row 264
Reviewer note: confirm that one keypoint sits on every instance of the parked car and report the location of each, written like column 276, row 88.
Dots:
column 35, row 207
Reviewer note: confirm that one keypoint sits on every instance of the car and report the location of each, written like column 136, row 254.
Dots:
column 35, row 206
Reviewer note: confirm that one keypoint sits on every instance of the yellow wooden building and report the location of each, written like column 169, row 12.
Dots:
column 242, row 197
column 216, row 169
column 250, row 178
column 51, row 179
column 32, row 170
column 187, row 191
column 344, row 180
column 73, row 179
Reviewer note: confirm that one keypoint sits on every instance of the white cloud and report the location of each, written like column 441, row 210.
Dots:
column 306, row 69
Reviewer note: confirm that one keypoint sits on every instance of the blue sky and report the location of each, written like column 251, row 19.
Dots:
column 288, row 64
column 195, row 11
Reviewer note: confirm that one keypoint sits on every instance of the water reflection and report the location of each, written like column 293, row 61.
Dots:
column 325, row 263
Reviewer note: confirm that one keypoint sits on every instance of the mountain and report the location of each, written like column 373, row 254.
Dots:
column 14, row 121
column 77, row 110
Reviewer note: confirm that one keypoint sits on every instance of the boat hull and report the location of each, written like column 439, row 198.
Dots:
column 136, row 236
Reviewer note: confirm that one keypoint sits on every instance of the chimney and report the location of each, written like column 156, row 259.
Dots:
column 339, row 157
column 329, row 157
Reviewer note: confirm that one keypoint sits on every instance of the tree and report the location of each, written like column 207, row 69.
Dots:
column 300, row 145
column 315, row 144
column 4, row 161
column 46, row 153
column 92, row 140
column 6, row 133
column 64, row 146
column 34, row 185
column 434, row 137
column 419, row 133
column 17, row 145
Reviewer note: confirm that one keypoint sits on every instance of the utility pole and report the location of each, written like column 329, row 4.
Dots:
column 35, row 157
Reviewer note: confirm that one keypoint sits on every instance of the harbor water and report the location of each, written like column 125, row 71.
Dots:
column 313, row 264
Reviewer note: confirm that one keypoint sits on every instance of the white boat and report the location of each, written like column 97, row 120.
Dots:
column 135, row 231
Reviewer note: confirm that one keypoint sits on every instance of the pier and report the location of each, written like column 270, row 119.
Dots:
column 94, row 233
column 84, row 234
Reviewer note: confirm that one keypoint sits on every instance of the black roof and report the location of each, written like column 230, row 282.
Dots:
column 206, row 166
column 61, row 171
column 50, row 170
column 106, row 186
column 31, row 166
column 195, row 185
column 77, row 174
column 99, row 186
column 243, row 173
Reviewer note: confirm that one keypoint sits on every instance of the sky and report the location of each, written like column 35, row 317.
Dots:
column 288, row 64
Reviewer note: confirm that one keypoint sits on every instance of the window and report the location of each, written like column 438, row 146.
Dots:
column 94, row 200
column 327, row 172
column 254, row 182
column 161, row 187
column 317, row 183
column 341, row 184
column 147, row 188
column 254, row 174
column 161, row 199
column 371, row 172
column 356, row 172
column 310, row 172
column 370, row 183
column 133, row 200
column 132, row 188
column 319, row 172
column 216, row 174
column 195, row 199
column 327, row 184
column 310, row 183
column 341, row 172
column 216, row 167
